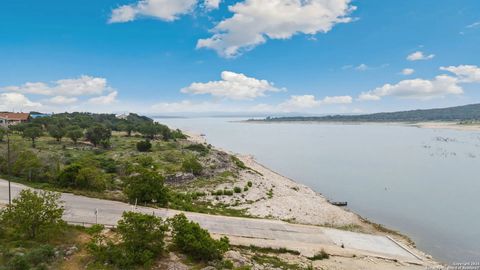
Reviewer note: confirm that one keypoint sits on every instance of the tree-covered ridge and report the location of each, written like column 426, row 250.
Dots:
column 467, row 113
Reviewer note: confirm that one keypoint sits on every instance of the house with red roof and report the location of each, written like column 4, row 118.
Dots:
column 9, row 118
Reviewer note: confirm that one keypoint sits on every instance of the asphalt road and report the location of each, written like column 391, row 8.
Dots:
column 262, row 232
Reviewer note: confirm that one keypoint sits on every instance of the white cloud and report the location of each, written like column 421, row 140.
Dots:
column 408, row 71
column 465, row 73
column 255, row 21
column 212, row 4
column 474, row 25
column 418, row 55
column 61, row 100
column 16, row 101
column 309, row 101
column 337, row 100
column 233, row 85
column 105, row 100
column 440, row 86
column 300, row 102
column 166, row 10
column 84, row 85
column 362, row 67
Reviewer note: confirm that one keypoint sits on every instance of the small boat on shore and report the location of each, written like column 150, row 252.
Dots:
column 339, row 203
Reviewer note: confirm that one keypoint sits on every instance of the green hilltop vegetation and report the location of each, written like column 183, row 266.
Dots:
column 461, row 114
column 131, row 159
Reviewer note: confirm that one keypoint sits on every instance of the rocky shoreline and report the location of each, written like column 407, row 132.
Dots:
column 274, row 196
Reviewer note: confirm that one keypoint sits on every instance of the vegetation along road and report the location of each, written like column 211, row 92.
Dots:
column 306, row 239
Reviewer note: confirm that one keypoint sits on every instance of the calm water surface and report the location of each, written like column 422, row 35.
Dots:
column 423, row 182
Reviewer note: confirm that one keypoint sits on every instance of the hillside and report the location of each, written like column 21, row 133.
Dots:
column 467, row 113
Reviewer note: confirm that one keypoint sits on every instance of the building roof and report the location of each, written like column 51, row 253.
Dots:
column 14, row 116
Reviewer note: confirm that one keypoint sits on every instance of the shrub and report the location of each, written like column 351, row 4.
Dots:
column 41, row 254
column 144, row 146
column 146, row 186
column 218, row 192
column 141, row 241
column 237, row 189
column 199, row 148
column 245, row 189
column 228, row 192
column 191, row 165
column 238, row 162
column 196, row 242
column 322, row 255
column 249, row 184
column 33, row 213
column 18, row 262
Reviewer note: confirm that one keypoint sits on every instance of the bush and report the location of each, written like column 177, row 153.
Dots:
column 322, row 255
column 191, row 165
column 41, row 254
column 141, row 241
column 196, row 242
column 245, row 189
column 146, row 186
column 228, row 192
column 78, row 176
column 238, row 162
column 32, row 213
column 144, row 146
column 18, row 262
column 237, row 189
column 218, row 192
column 199, row 148
column 249, row 184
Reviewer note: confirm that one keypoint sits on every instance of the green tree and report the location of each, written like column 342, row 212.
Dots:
column 145, row 186
column 33, row 213
column 192, row 165
column 150, row 130
column 75, row 133
column 99, row 134
column 196, row 242
column 142, row 236
column 68, row 176
column 32, row 133
column 56, row 132
column 141, row 241
column 27, row 165
column 91, row 178
column 128, row 127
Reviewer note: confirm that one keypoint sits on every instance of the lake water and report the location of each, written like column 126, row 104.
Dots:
column 424, row 183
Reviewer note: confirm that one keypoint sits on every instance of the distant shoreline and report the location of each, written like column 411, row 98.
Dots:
column 423, row 124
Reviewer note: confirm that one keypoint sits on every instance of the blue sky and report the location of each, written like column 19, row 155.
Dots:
column 268, row 56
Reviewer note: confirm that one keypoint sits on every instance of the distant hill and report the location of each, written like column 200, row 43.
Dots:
column 467, row 113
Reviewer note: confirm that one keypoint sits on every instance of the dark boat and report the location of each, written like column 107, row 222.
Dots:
column 339, row 203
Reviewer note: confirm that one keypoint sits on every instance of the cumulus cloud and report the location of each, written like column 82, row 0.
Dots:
column 62, row 100
column 212, row 4
column 234, row 86
column 255, row 21
column 16, row 101
column 408, row 71
column 440, row 86
column 165, row 10
column 309, row 101
column 104, row 100
column 465, row 73
column 418, row 55
column 84, row 85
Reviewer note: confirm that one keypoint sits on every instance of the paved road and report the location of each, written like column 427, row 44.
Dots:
column 307, row 239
